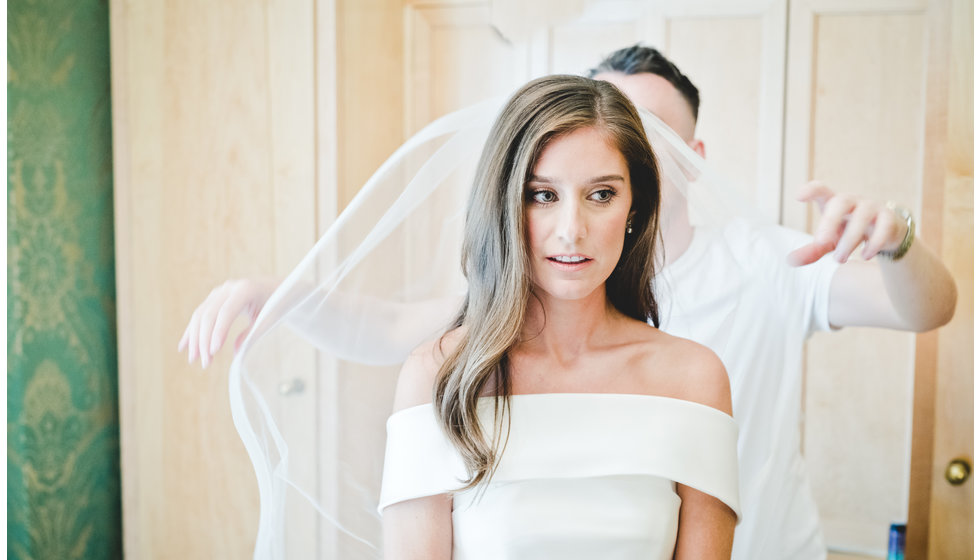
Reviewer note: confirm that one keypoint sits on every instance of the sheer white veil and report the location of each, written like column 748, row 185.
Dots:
column 383, row 279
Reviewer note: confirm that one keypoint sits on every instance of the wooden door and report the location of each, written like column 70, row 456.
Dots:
column 214, row 170
column 860, row 104
column 856, row 98
column 940, row 513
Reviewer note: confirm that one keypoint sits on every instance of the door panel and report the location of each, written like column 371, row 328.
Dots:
column 212, row 175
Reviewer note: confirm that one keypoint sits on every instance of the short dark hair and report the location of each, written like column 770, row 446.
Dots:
column 639, row 59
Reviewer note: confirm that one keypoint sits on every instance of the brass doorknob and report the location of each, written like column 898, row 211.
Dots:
column 957, row 471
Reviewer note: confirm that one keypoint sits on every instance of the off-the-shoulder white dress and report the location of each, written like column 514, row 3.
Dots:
column 582, row 475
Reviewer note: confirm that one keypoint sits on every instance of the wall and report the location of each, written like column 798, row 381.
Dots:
column 63, row 494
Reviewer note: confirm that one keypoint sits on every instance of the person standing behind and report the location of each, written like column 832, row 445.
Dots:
column 732, row 289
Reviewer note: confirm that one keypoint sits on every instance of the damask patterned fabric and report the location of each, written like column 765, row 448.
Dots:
column 63, row 489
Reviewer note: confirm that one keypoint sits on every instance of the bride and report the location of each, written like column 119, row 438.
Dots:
column 551, row 420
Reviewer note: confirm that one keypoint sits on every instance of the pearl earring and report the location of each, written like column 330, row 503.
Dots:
column 629, row 226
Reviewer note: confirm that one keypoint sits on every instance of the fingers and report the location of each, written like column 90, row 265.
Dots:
column 197, row 336
column 206, row 326
column 887, row 229
column 809, row 253
column 211, row 322
column 833, row 219
column 815, row 191
column 231, row 307
column 192, row 330
column 860, row 223
column 253, row 314
column 836, row 212
column 845, row 223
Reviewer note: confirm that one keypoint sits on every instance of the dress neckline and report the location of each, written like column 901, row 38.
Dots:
column 592, row 396
column 573, row 435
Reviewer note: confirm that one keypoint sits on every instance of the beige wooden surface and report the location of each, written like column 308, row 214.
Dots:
column 730, row 93
column 738, row 62
column 941, row 523
column 952, row 516
column 455, row 58
column 369, row 51
column 856, row 108
column 904, row 89
column 213, row 165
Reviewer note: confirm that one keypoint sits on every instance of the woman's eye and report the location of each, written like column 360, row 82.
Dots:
column 543, row 197
column 605, row 195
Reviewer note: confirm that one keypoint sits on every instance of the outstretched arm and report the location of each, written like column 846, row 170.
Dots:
column 357, row 327
column 915, row 292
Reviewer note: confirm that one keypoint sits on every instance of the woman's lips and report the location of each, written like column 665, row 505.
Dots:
column 569, row 262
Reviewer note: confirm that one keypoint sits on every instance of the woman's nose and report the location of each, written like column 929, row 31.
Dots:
column 571, row 224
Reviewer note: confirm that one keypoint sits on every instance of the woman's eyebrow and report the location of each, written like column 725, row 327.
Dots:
column 599, row 179
column 607, row 179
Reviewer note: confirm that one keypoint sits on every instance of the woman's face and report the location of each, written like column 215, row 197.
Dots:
column 578, row 201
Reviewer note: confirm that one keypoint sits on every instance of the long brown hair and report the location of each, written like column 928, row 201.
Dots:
column 495, row 259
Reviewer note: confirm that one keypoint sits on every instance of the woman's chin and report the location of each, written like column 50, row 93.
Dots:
column 569, row 291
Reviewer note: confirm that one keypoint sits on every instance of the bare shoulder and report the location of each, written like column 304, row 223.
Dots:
column 418, row 374
column 683, row 369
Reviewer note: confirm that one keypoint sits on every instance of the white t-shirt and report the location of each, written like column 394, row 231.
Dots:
column 733, row 291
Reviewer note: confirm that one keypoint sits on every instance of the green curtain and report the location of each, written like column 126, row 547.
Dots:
column 63, row 488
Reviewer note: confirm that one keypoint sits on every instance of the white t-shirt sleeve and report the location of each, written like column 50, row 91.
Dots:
column 811, row 283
